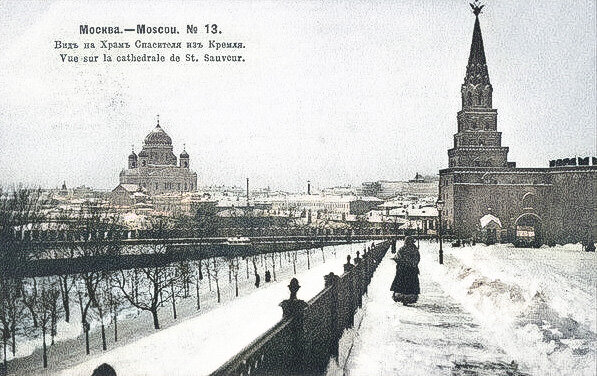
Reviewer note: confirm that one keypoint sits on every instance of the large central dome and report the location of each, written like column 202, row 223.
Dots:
column 158, row 137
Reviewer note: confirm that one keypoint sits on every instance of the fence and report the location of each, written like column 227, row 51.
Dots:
column 308, row 334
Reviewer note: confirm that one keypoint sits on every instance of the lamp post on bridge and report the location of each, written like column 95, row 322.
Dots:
column 440, row 207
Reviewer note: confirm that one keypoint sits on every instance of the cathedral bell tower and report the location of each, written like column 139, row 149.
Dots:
column 477, row 143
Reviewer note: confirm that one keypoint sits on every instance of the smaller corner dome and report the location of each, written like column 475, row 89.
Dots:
column 143, row 153
column 184, row 154
column 133, row 155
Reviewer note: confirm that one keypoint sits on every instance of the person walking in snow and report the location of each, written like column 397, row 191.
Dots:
column 405, row 286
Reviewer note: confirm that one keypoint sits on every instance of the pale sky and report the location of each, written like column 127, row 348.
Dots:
column 336, row 92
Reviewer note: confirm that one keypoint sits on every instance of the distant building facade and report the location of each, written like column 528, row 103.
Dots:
column 156, row 169
column 386, row 189
column 532, row 205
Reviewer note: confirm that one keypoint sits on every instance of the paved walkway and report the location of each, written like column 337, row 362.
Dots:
column 433, row 337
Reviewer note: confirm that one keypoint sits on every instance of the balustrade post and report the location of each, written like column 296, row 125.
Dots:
column 331, row 280
column 293, row 309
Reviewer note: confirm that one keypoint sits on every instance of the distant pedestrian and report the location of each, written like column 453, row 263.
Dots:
column 348, row 266
column 268, row 276
column 405, row 286
column 357, row 260
column 590, row 245
column 104, row 370
column 257, row 280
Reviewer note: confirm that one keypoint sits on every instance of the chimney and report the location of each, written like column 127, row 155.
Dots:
column 308, row 187
column 247, row 192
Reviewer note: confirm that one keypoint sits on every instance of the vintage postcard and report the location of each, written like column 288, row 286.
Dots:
column 252, row 187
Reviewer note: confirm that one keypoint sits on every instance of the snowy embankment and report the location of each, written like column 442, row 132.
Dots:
column 538, row 305
column 435, row 336
column 201, row 344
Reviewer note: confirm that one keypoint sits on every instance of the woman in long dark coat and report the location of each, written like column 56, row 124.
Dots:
column 406, row 282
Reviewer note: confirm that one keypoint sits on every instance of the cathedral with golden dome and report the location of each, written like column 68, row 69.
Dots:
column 156, row 169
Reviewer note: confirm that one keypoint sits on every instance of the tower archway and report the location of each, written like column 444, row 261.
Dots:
column 528, row 230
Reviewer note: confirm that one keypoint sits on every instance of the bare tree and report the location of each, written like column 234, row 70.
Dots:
column 95, row 286
column 66, row 283
column 233, row 266
column 215, row 265
column 45, row 305
column 198, row 277
column 173, row 275
column 308, row 252
column 183, row 271
column 65, row 249
column 21, row 215
column 84, row 305
column 11, row 313
column 96, row 228
column 273, row 254
column 152, row 284
column 115, row 301
column 294, row 257
column 29, row 296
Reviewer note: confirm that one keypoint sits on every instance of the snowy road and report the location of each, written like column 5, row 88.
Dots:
column 434, row 337
column 485, row 307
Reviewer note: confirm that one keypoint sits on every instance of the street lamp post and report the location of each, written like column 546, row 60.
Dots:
column 440, row 207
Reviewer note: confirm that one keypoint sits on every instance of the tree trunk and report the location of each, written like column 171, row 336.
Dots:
column 45, row 354
column 308, row 259
column 198, row 294
column 65, row 298
column 173, row 298
column 154, row 314
column 247, row 264
column 33, row 316
column 86, row 340
column 236, row 283
column 13, row 345
column 218, row 290
column 322, row 254
column 115, row 327
column 4, row 347
column 104, row 347
column 136, row 285
column 53, row 324
column 208, row 276
column 274, row 265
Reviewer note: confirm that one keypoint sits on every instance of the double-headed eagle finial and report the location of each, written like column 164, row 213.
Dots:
column 477, row 7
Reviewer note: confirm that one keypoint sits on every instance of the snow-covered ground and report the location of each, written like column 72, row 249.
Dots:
column 485, row 308
column 200, row 344
column 538, row 305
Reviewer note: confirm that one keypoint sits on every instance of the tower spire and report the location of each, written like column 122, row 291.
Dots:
column 476, row 70
column 477, row 143
column 158, row 116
